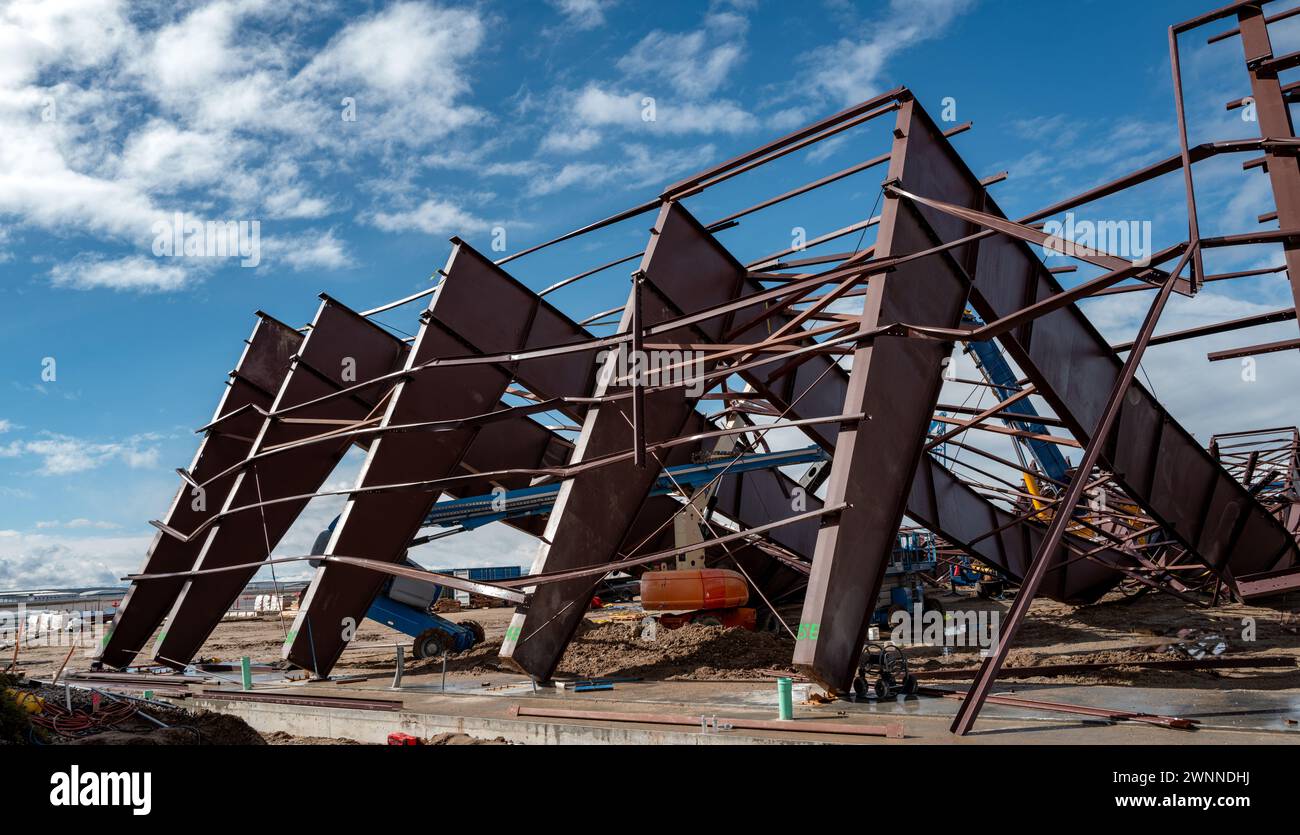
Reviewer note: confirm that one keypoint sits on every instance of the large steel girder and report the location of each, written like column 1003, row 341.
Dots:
column 479, row 309
column 226, row 441
column 895, row 383
column 1154, row 459
column 341, row 348
column 595, row 511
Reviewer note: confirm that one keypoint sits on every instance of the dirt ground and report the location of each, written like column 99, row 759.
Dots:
column 1148, row 628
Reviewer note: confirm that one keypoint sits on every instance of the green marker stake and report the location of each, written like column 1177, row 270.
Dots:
column 246, row 672
column 785, row 702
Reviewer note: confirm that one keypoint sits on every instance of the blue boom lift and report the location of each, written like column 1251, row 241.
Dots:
column 995, row 369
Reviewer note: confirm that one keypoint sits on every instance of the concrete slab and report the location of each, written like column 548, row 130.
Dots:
column 480, row 706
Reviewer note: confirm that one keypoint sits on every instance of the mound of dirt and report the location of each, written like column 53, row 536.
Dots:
column 613, row 649
column 692, row 651
column 282, row 738
column 201, row 728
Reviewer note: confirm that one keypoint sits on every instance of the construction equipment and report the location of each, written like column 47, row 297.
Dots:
column 883, row 673
column 903, row 589
column 704, row 596
column 434, row 635
column 470, row 512
column 405, row 604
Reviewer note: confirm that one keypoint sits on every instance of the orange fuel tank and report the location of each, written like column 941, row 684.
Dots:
column 696, row 588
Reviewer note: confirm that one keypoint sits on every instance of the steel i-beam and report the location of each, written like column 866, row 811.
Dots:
column 479, row 309
column 1154, row 459
column 341, row 349
column 1274, row 114
column 895, row 382
column 594, row 511
column 226, row 441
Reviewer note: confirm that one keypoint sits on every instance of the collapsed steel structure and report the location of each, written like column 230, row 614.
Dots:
column 454, row 410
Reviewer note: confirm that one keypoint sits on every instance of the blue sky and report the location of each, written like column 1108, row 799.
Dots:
column 526, row 117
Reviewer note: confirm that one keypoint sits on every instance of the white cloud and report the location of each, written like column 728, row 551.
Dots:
column 597, row 106
column 432, row 217
column 694, row 64
column 232, row 125
column 65, row 455
column 42, row 560
column 162, row 157
column 640, row 167
column 850, row 70
column 310, row 250
column 582, row 14
column 134, row 272
column 667, row 86
column 78, row 523
column 566, row 141
column 405, row 68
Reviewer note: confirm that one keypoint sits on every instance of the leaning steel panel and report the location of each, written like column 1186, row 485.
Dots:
column 1154, row 459
column 226, row 440
column 341, row 348
column 478, row 309
column 942, row 502
column 520, row 443
column 594, row 511
column 895, row 382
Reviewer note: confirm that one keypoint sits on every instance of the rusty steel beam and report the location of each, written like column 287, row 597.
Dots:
column 979, row 692
column 941, row 501
column 1254, row 350
column 1274, row 115
column 894, row 730
column 749, row 498
column 479, row 309
column 817, row 387
column 896, row 383
column 1216, row 328
column 226, row 441
column 594, row 511
column 341, row 346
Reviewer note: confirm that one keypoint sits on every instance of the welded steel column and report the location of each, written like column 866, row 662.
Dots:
column 1274, row 116
column 895, row 382
column 594, row 511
